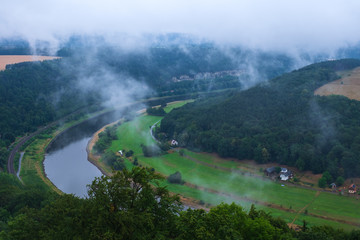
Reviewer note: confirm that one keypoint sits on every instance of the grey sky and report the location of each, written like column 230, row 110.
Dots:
column 276, row 24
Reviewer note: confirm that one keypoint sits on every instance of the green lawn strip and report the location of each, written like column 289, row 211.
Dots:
column 311, row 221
column 212, row 159
column 171, row 106
column 222, row 181
column 333, row 205
column 214, row 199
column 134, row 133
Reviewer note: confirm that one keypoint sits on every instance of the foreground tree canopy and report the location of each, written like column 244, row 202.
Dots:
column 135, row 205
column 279, row 121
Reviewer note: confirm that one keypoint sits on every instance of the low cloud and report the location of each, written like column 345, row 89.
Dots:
column 270, row 25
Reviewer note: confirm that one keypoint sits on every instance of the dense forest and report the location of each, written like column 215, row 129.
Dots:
column 134, row 205
column 278, row 121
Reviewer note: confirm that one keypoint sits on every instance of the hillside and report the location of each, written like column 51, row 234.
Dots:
column 278, row 121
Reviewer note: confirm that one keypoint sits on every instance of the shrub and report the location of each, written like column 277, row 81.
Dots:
column 175, row 178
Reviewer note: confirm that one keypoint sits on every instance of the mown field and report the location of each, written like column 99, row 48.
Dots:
column 12, row 59
column 212, row 180
column 348, row 85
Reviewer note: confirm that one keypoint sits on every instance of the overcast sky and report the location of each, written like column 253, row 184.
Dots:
column 276, row 24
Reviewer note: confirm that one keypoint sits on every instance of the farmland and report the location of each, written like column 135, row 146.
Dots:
column 348, row 85
column 12, row 59
column 210, row 180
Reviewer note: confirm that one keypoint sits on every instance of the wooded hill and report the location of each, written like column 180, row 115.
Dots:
column 277, row 121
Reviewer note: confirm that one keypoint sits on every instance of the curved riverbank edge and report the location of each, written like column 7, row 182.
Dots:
column 94, row 158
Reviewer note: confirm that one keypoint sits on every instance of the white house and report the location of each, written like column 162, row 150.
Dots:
column 174, row 143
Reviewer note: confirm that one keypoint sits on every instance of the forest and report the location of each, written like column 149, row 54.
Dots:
column 277, row 121
column 134, row 205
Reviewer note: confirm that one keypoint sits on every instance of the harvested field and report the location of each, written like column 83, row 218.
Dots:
column 12, row 59
column 348, row 86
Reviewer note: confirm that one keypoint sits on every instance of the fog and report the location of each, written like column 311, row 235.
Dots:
column 321, row 25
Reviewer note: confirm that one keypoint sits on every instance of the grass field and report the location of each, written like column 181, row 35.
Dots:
column 214, row 180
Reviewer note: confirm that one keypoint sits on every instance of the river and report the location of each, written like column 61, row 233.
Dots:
column 66, row 163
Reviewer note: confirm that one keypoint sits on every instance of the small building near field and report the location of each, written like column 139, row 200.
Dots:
column 285, row 175
column 352, row 188
column 174, row 142
column 121, row 153
column 270, row 171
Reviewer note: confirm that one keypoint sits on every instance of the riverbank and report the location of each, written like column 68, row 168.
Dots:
column 94, row 158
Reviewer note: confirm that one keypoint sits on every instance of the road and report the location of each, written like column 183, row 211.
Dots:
column 10, row 164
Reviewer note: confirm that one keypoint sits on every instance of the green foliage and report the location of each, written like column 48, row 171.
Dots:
column 112, row 160
column 281, row 121
column 105, row 139
column 129, row 153
column 156, row 111
column 151, row 150
column 339, row 181
column 322, row 182
column 175, row 178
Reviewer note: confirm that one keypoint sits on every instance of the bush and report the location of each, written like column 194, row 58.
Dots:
column 175, row 178
column 150, row 151
column 129, row 153
column 155, row 111
column 339, row 181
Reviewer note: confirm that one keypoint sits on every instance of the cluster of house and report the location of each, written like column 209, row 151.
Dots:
column 283, row 173
column 351, row 189
column 208, row 75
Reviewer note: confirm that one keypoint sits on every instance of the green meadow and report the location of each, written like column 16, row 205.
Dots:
column 214, row 180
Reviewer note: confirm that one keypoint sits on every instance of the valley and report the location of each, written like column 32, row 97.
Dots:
column 210, row 180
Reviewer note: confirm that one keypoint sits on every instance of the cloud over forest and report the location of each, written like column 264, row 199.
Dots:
column 270, row 25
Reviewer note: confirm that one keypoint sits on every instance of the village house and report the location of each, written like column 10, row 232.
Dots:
column 270, row 171
column 285, row 174
column 333, row 187
column 352, row 188
column 121, row 153
column 174, row 142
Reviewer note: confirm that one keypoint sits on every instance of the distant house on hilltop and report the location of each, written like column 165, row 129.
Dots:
column 352, row 188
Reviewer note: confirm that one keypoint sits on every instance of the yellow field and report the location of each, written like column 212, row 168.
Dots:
column 348, row 86
column 11, row 59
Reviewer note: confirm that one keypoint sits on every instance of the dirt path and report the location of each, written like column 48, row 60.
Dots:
column 303, row 209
